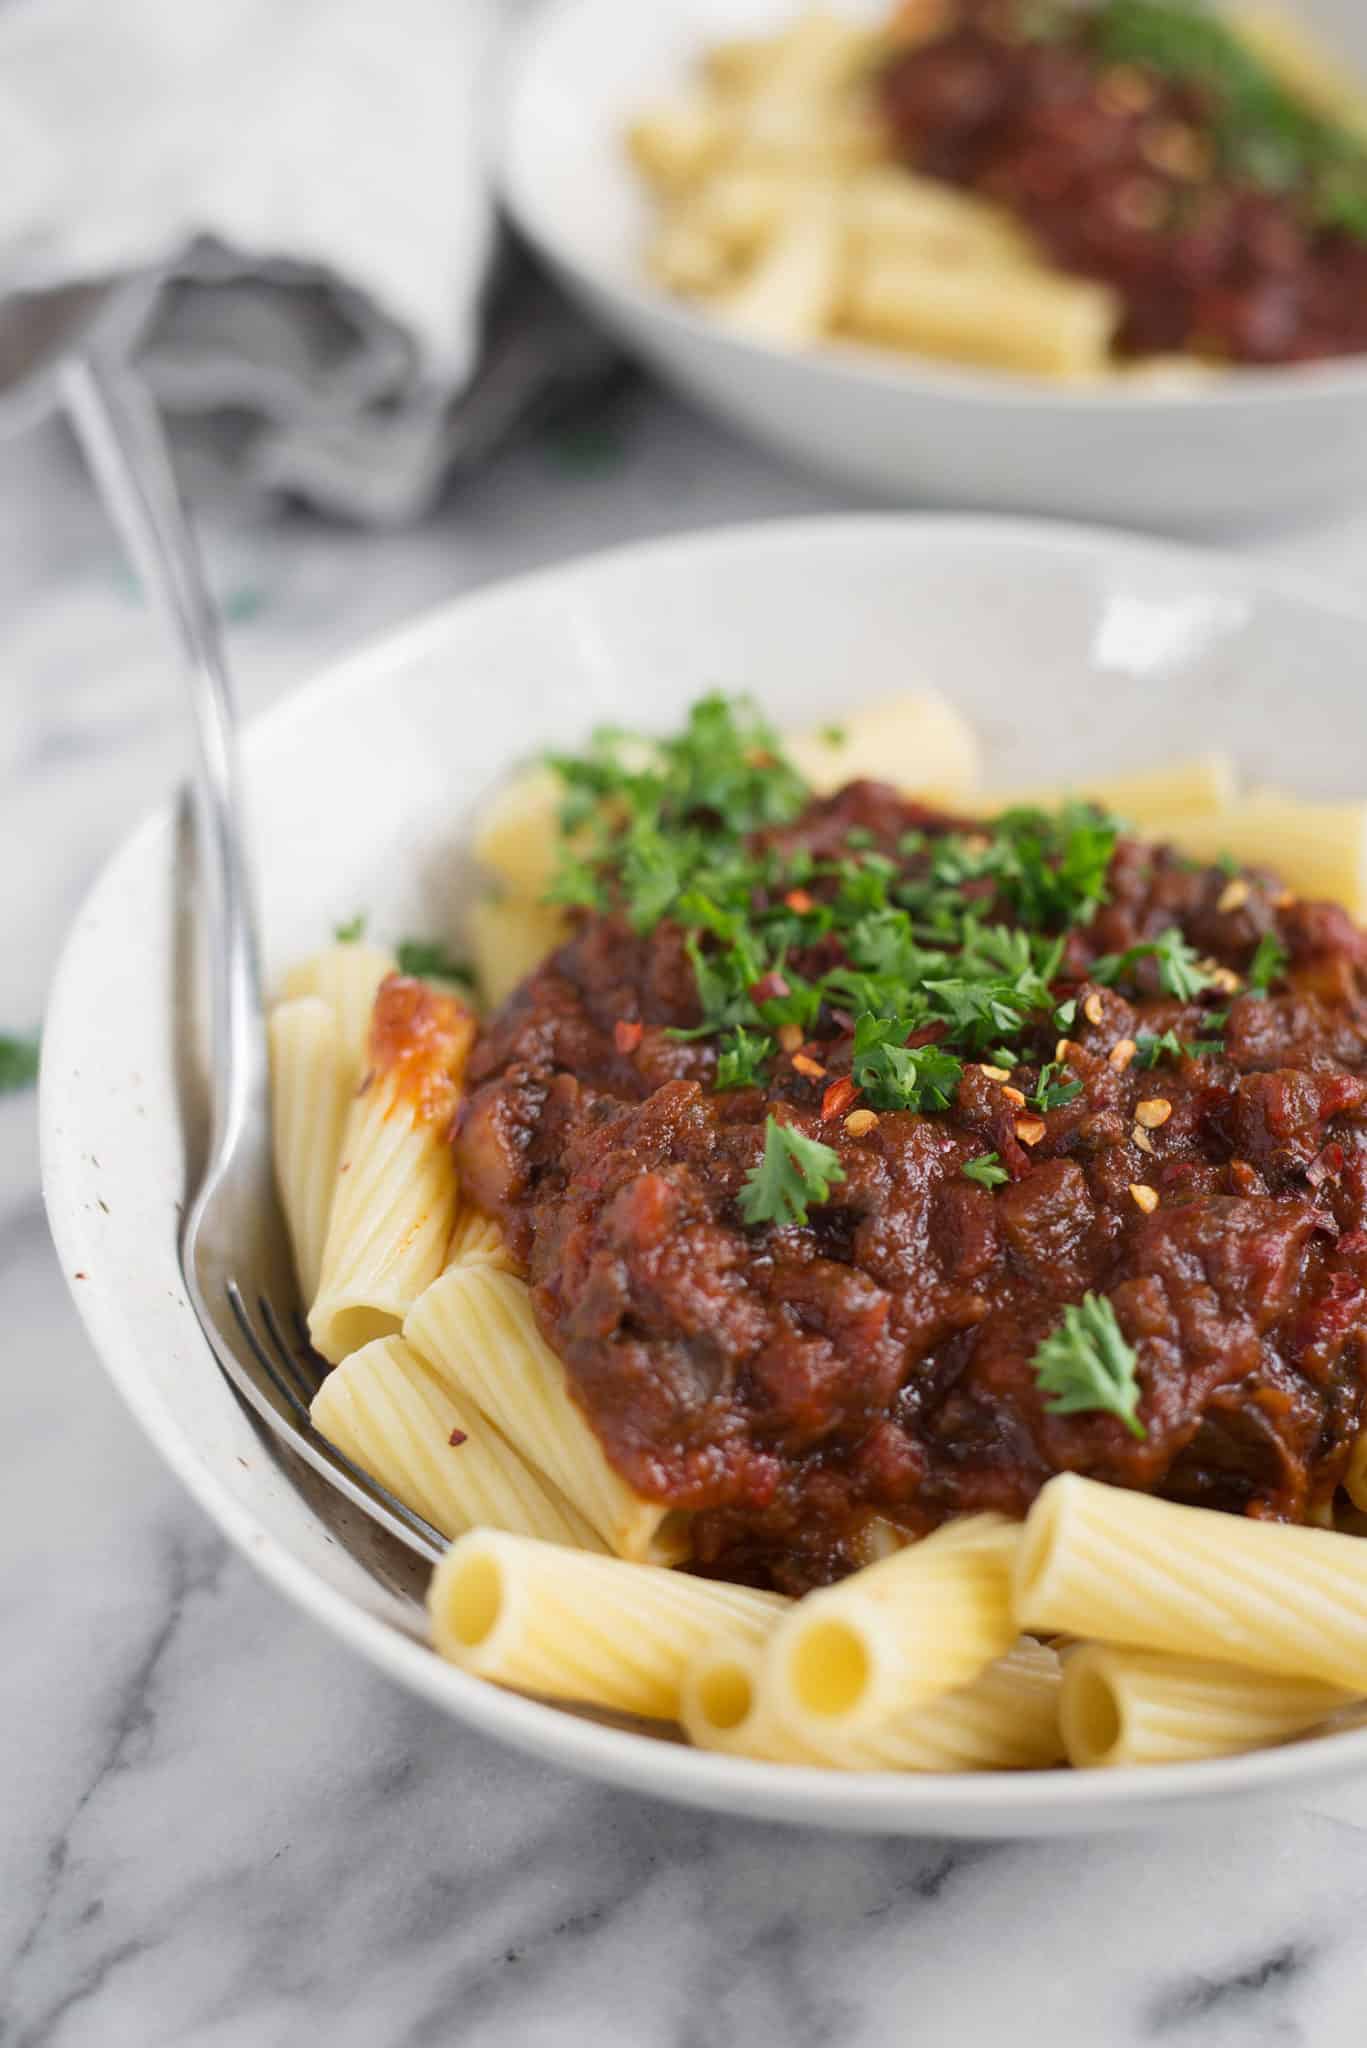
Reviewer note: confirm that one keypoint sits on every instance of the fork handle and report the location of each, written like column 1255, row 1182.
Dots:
column 125, row 444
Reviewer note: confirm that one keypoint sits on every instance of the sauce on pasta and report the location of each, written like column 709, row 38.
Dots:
column 1142, row 149
column 423, row 1038
column 1175, row 1131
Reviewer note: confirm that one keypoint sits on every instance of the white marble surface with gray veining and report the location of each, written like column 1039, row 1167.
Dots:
column 219, row 1830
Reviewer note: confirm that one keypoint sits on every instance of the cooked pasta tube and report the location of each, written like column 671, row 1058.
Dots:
column 575, row 1627
column 685, row 257
column 1152, row 798
column 1120, row 1567
column 1138, row 1707
column 893, row 212
column 478, row 1241
column 790, row 295
column 736, row 66
column 387, row 1409
column 674, row 145
column 518, row 838
column 311, row 1085
column 508, row 938
column 740, row 211
column 1007, row 1719
column 476, row 1328
column 348, row 977
column 1319, row 849
column 395, row 1199
column 1001, row 318
column 1355, row 1478
column 919, row 741
column 918, row 1624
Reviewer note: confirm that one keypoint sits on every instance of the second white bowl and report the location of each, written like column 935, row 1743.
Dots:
column 1246, row 445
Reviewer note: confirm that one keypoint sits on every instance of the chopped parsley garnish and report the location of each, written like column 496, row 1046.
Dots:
column 1088, row 1367
column 894, row 1075
column 834, row 735
column 430, row 961
column 352, row 932
column 1155, row 1046
column 1180, row 972
column 742, row 1058
column 1052, row 1094
column 794, row 1172
column 987, row 1171
column 18, row 1063
column 1269, row 964
column 949, row 952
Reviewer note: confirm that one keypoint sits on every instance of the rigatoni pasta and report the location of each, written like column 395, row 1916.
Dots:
column 1124, row 1706
column 392, row 1415
column 312, row 1080
column 346, row 976
column 1006, row 1719
column 576, row 1627
column 922, row 1622
column 1121, row 1567
column 476, row 1327
column 394, row 1203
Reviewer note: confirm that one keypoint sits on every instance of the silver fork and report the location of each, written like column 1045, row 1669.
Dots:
column 234, row 1248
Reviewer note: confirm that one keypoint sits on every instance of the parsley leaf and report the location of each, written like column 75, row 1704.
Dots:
column 1153, row 1047
column 742, row 1056
column 794, row 1172
column 1051, row 1094
column 352, row 932
column 1269, row 964
column 1088, row 1367
column 1180, row 972
column 428, row 960
column 894, row 1075
column 1056, row 871
column 987, row 1171
column 18, row 1063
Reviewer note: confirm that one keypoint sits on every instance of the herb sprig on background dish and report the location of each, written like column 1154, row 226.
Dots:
column 1262, row 131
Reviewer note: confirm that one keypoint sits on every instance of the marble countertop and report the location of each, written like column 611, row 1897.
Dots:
column 220, row 1830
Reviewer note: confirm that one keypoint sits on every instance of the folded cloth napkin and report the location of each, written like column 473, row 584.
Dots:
column 312, row 177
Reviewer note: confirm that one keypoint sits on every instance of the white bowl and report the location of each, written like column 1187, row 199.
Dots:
column 1068, row 650
column 1245, row 446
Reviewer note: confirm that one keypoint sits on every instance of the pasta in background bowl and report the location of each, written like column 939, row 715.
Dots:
column 1175, row 446
column 1119, row 656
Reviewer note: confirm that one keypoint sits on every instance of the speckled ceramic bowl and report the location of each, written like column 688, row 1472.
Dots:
column 1068, row 650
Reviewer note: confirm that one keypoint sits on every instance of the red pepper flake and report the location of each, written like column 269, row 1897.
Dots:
column 627, row 1035
column 840, row 1096
column 769, row 988
column 813, row 1069
column 800, row 901
column 457, row 1438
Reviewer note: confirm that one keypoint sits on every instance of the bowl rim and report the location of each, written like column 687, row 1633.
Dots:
column 531, row 205
column 990, row 1804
